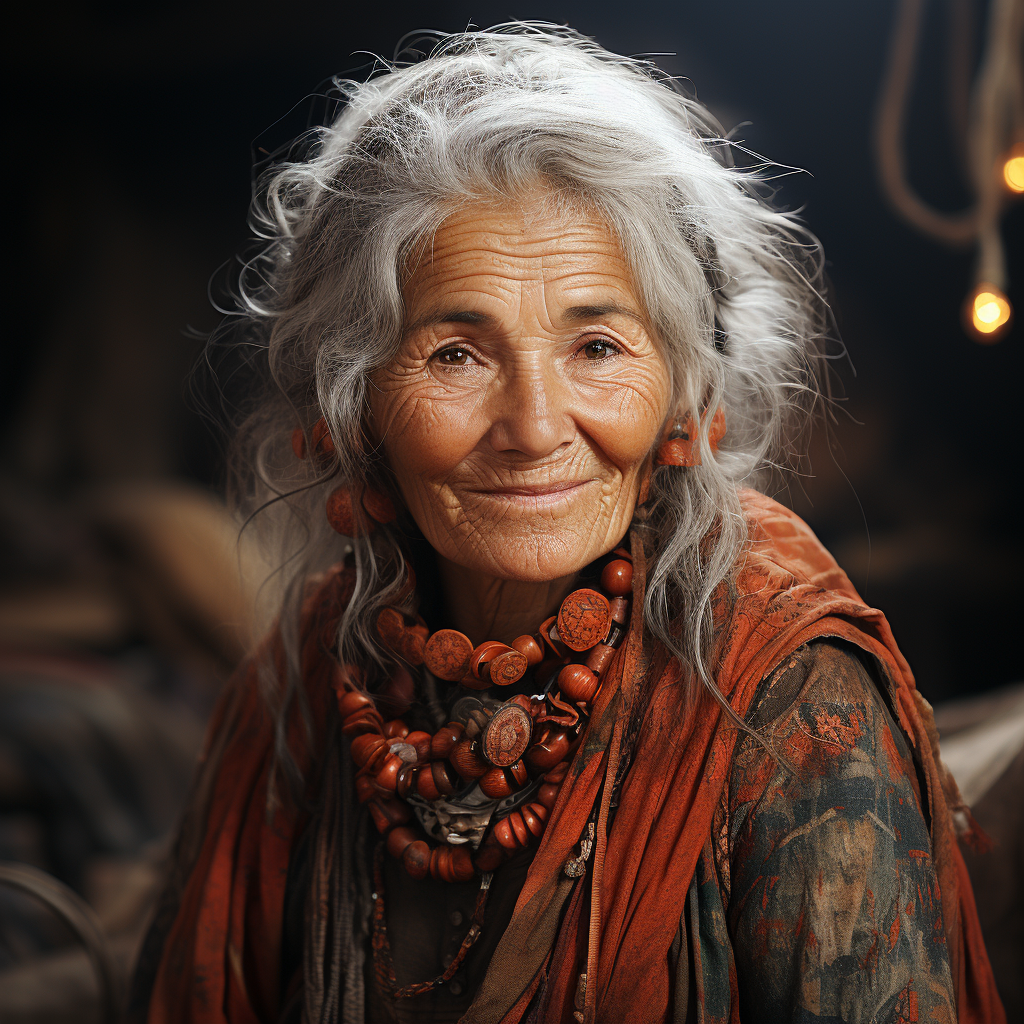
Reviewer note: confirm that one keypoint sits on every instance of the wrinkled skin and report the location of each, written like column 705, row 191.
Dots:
column 521, row 407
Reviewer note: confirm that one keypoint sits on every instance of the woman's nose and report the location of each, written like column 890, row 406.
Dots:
column 532, row 413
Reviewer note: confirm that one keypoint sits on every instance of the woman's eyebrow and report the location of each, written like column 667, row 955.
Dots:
column 451, row 316
column 578, row 314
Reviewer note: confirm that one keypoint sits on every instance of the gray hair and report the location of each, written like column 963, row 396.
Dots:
column 732, row 287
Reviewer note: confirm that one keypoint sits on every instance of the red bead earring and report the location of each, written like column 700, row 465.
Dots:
column 679, row 447
column 341, row 511
column 320, row 441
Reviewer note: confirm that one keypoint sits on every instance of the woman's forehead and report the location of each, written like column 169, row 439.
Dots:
column 494, row 249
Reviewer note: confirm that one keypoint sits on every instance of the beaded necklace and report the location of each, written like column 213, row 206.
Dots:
column 497, row 749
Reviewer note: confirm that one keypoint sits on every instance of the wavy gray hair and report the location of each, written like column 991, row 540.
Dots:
column 731, row 285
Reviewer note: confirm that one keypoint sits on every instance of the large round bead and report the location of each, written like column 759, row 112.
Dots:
column 445, row 739
column 367, row 747
column 499, row 783
column 584, row 619
column 462, row 864
column 468, row 763
column 528, row 646
column 447, row 654
column 507, row 735
column 351, row 701
column 578, row 683
column 617, row 578
column 420, row 742
column 416, row 858
column 342, row 516
column 378, row 506
column 548, row 751
column 399, row 839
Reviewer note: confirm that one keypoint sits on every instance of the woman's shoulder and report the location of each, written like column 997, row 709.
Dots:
column 833, row 897
column 828, row 702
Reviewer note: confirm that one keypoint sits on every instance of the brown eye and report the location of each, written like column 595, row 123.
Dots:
column 598, row 349
column 453, row 357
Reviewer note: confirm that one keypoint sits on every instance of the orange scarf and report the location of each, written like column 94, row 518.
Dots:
column 221, row 958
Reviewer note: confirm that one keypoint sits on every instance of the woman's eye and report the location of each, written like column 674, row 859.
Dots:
column 453, row 357
column 598, row 349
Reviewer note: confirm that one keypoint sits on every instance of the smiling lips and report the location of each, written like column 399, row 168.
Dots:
column 535, row 495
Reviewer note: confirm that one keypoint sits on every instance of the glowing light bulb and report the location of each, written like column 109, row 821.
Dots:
column 990, row 312
column 1013, row 170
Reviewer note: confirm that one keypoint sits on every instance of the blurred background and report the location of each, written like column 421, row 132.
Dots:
column 124, row 600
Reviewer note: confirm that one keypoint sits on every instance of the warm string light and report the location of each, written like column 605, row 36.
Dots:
column 1013, row 170
column 989, row 312
column 993, row 137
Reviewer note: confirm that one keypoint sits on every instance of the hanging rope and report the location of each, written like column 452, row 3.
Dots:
column 987, row 128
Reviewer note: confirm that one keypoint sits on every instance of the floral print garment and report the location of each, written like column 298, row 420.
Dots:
column 815, row 893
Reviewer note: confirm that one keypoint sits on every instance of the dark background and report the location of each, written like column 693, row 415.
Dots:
column 130, row 130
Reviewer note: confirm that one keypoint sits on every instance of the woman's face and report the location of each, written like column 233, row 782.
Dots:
column 527, row 392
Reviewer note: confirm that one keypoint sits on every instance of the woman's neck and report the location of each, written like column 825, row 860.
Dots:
column 486, row 608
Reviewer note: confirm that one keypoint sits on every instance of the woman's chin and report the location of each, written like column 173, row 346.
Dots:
column 536, row 558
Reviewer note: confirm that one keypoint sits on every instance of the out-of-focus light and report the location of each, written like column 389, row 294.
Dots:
column 989, row 312
column 1013, row 170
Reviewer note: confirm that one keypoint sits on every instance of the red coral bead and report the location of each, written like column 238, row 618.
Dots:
column 342, row 517
column 366, row 747
column 599, row 658
column 416, row 858
column 352, row 701
column 445, row 739
column 578, row 683
column 365, row 721
column 400, row 838
column 620, row 610
column 414, row 644
column 504, row 834
column 495, row 784
column 425, row 785
column 515, row 819
column 535, row 817
column 387, row 777
column 462, row 863
column 420, row 741
column 548, row 794
column 467, row 762
column 528, row 646
column 547, row 751
column 507, row 735
column 444, row 864
column 617, row 578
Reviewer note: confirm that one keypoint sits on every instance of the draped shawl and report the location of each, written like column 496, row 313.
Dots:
column 216, row 947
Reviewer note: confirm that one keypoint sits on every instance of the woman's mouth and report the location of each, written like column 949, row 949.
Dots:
column 535, row 496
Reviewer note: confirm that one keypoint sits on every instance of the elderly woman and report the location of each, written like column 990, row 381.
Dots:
column 560, row 721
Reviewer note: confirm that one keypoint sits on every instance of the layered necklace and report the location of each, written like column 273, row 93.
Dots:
column 461, row 801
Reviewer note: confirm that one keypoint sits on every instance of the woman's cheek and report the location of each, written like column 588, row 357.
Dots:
column 428, row 437
column 626, row 429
